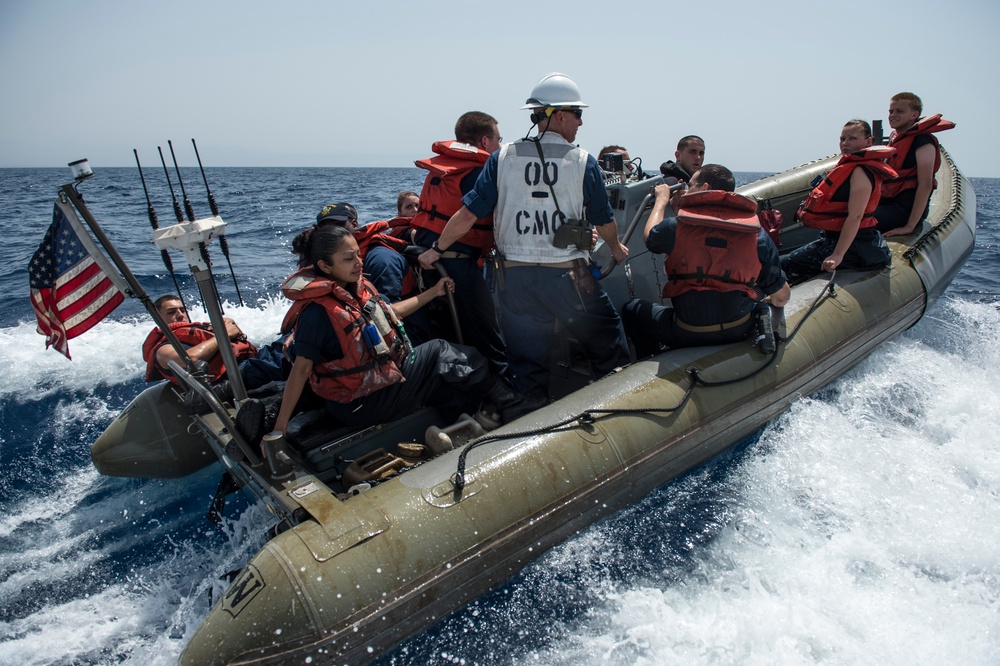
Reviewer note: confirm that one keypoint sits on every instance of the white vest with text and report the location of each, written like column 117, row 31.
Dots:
column 525, row 218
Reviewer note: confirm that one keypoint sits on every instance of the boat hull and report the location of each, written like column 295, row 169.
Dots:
column 363, row 573
column 152, row 438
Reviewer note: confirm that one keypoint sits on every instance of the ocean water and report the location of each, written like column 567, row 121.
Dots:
column 863, row 526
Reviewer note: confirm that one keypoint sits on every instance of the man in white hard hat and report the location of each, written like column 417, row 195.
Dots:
column 545, row 194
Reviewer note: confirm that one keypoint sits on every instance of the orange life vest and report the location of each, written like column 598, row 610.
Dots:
column 361, row 371
column 189, row 334
column 398, row 225
column 441, row 196
column 820, row 212
column 906, row 179
column 377, row 233
column 715, row 245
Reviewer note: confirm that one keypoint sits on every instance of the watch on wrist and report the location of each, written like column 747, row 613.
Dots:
column 437, row 248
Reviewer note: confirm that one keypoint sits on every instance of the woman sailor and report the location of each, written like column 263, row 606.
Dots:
column 353, row 352
column 842, row 207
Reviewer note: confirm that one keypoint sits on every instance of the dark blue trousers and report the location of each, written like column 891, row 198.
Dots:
column 534, row 298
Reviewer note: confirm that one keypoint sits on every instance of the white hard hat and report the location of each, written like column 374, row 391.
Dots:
column 554, row 89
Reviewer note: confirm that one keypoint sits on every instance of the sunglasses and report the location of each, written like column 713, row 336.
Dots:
column 576, row 112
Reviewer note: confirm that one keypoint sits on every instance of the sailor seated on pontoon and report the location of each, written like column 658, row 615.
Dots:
column 351, row 350
column 257, row 367
column 843, row 207
column 905, row 200
column 721, row 266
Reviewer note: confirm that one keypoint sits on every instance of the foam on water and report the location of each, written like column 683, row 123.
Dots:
column 78, row 582
column 108, row 354
column 73, row 630
column 53, row 506
column 864, row 528
column 142, row 615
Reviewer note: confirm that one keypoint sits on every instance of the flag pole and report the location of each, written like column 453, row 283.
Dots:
column 70, row 193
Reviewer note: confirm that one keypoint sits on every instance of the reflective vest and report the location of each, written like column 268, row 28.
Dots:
column 525, row 217
column 820, row 212
column 906, row 179
column 715, row 245
column 441, row 196
column 190, row 335
column 362, row 370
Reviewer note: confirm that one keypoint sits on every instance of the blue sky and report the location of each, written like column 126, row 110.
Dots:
column 767, row 84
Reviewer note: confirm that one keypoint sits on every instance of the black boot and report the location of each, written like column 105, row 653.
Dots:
column 250, row 421
column 195, row 404
column 509, row 403
column 223, row 390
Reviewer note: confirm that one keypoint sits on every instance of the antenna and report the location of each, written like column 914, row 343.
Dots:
column 223, row 243
column 154, row 222
column 188, row 208
column 177, row 207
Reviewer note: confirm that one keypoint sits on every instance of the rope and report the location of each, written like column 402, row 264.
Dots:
column 828, row 287
column 591, row 416
column 587, row 417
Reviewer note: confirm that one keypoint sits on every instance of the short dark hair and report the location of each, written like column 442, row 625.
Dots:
column 473, row 126
column 863, row 124
column 683, row 143
column 611, row 149
column 910, row 99
column 717, row 177
column 166, row 297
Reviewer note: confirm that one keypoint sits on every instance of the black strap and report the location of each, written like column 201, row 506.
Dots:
column 433, row 213
column 545, row 177
column 701, row 276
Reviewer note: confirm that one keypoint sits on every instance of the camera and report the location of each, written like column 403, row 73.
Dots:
column 575, row 233
column 613, row 162
column 764, row 327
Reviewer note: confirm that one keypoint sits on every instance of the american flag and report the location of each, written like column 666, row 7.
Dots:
column 73, row 285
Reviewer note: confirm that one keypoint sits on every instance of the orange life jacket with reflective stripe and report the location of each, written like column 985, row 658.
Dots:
column 715, row 245
column 906, row 179
column 819, row 211
column 441, row 196
column 362, row 370
column 190, row 334
column 399, row 226
column 376, row 233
